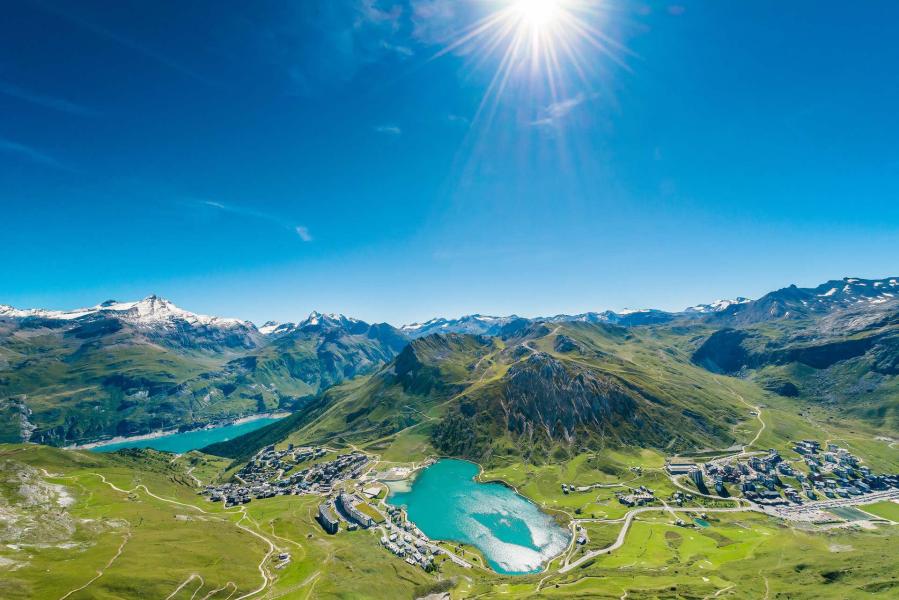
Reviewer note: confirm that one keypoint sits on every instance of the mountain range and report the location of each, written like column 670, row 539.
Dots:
column 544, row 390
column 125, row 368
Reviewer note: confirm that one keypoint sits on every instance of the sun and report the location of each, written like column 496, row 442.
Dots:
column 543, row 51
column 538, row 14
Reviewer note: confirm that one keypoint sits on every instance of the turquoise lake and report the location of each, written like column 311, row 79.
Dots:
column 446, row 503
column 190, row 440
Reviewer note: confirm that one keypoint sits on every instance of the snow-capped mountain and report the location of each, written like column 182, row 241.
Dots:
column 716, row 306
column 474, row 324
column 153, row 318
column 126, row 367
column 491, row 325
column 625, row 317
column 274, row 327
column 152, row 310
column 849, row 293
column 314, row 321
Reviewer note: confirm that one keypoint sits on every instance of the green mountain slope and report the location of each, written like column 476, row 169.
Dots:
column 539, row 393
column 846, row 360
column 69, row 380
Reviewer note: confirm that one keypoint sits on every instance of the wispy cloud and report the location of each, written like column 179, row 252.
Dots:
column 351, row 33
column 368, row 11
column 389, row 130
column 399, row 49
column 31, row 154
column 553, row 113
column 301, row 230
column 42, row 100
column 433, row 21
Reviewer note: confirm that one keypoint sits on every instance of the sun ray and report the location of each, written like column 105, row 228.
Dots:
column 539, row 44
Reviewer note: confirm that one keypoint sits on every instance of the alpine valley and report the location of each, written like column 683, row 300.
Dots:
column 736, row 449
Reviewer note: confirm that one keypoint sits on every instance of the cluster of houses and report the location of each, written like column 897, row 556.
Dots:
column 269, row 464
column 834, row 472
column 278, row 473
column 404, row 540
column 400, row 536
column 680, row 497
column 637, row 497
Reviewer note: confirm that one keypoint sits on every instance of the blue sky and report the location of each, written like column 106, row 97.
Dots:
column 265, row 160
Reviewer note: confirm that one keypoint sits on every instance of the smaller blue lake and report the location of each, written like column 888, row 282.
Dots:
column 179, row 443
column 446, row 503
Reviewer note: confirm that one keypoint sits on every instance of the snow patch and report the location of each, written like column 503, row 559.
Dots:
column 152, row 310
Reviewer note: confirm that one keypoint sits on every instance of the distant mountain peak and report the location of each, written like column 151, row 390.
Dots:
column 717, row 305
column 152, row 310
column 474, row 324
column 334, row 319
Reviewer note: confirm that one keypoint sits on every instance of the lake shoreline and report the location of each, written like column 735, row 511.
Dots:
column 480, row 479
column 122, row 439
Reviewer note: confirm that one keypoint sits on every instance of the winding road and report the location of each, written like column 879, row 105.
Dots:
column 628, row 519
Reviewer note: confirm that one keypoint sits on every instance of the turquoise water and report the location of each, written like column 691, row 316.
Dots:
column 190, row 440
column 446, row 503
column 701, row 522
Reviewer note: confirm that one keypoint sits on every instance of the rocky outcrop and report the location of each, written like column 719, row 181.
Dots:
column 541, row 393
column 564, row 343
column 724, row 352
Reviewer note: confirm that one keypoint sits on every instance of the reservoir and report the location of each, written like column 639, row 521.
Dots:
column 189, row 440
column 446, row 503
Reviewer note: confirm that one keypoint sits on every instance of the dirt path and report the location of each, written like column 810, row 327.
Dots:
column 272, row 548
column 184, row 584
column 103, row 570
column 758, row 415
column 228, row 585
column 190, row 474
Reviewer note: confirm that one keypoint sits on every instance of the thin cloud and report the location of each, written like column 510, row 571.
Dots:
column 555, row 112
column 433, row 21
column 458, row 119
column 44, row 101
column 399, row 49
column 368, row 12
column 351, row 33
column 301, row 230
column 389, row 129
column 31, row 154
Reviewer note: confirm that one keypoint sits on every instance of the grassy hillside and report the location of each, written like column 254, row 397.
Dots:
column 156, row 538
column 131, row 525
column 543, row 394
column 847, row 361
column 65, row 382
